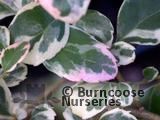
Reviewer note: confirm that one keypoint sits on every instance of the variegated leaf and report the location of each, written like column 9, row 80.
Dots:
column 69, row 11
column 139, row 23
column 43, row 112
column 16, row 76
column 8, row 109
column 53, row 39
column 87, row 109
column 97, row 25
column 16, row 5
column 35, row 19
column 24, row 2
column 46, row 35
column 150, row 73
column 68, row 115
column 124, row 101
column 6, row 105
column 117, row 114
column 83, row 58
column 124, row 52
column 14, row 54
column 5, row 10
column 20, row 111
column 4, row 37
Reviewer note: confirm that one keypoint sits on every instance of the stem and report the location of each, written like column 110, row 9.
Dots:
column 120, row 77
column 145, row 115
column 3, row 74
column 15, row 117
column 150, row 84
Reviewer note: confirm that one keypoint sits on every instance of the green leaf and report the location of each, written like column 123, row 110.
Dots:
column 124, row 52
column 43, row 112
column 66, row 10
column 4, row 37
column 151, row 99
column 138, row 22
column 96, row 98
column 6, row 105
column 46, row 35
column 16, row 76
column 150, row 73
column 83, row 58
column 117, row 114
column 5, row 10
column 97, row 25
column 14, row 54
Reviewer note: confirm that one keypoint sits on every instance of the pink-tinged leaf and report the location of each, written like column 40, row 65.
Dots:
column 83, row 59
column 69, row 11
column 13, row 55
